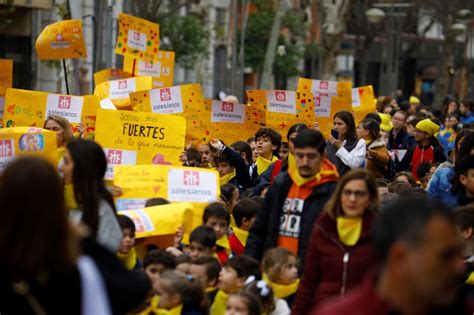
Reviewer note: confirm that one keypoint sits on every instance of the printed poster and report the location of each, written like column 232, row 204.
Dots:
column 161, row 69
column 118, row 91
column 109, row 75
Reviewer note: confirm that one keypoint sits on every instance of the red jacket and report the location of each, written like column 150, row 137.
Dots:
column 331, row 267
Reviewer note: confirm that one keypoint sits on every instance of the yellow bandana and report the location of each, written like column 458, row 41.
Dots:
column 470, row 279
column 227, row 178
column 241, row 235
column 326, row 171
column 263, row 164
column 220, row 303
column 349, row 230
column 282, row 291
column 174, row 311
column 128, row 260
column 69, row 197
column 223, row 242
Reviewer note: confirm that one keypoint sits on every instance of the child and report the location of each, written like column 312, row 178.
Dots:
column 202, row 242
column 243, row 303
column 245, row 212
column 183, row 263
column 270, row 305
column 268, row 143
column 207, row 270
column 232, row 278
column 281, row 273
column 126, row 252
column 216, row 216
column 206, row 155
column 156, row 202
column 180, row 294
column 284, row 150
column 191, row 157
column 229, row 195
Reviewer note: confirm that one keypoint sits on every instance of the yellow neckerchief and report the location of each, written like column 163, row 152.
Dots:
column 241, row 234
column 223, row 242
column 470, row 279
column 281, row 291
column 263, row 163
column 60, row 154
column 128, row 260
column 69, row 197
column 349, row 230
column 227, row 178
column 367, row 140
column 326, row 171
column 220, row 303
column 151, row 308
column 211, row 289
column 174, row 311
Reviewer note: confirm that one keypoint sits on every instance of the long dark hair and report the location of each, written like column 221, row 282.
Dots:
column 348, row 119
column 90, row 165
column 34, row 229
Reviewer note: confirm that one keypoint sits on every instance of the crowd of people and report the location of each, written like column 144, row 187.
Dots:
column 377, row 218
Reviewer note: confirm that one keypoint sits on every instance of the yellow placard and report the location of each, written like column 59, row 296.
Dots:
column 119, row 90
column 109, row 75
column 161, row 69
column 186, row 101
column 6, row 75
column 363, row 102
column 162, row 220
column 137, row 38
column 22, row 141
column 31, row 108
column 331, row 88
column 282, row 108
column 61, row 40
column 139, row 138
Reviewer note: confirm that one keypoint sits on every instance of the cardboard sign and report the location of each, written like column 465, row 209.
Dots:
column 363, row 102
column 118, row 91
column 176, row 184
column 6, row 75
column 21, row 141
column 331, row 88
column 139, row 138
column 137, row 38
column 61, row 40
column 31, row 108
column 161, row 220
column 161, row 69
column 109, row 75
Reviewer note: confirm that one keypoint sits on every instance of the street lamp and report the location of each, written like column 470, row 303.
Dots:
column 375, row 15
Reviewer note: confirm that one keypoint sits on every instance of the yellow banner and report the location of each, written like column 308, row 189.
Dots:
column 139, row 138
column 61, row 40
column 6, row 75
column 137, row 38
column 161, row 69
column 31, row 108
column 162, row 220
column 186, row 101
column 21, row 141
column 282, row 108
column 119, row 90
column 109, row 75
column 332, row 88
column 363, row 101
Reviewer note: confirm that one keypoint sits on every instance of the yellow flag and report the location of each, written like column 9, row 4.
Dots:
column 363, row 101
column 137, row 38
column 31, row 108
column 22, row 141
column 109, row 75
column 119, row 90
column 161, row 220
column 139, row 138
column 6, row 75
column 161, row 69
column 61, row 40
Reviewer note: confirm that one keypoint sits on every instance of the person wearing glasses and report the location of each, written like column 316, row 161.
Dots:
column 340, row 249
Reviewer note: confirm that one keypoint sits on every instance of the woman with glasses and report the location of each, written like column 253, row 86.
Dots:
column 340, row 250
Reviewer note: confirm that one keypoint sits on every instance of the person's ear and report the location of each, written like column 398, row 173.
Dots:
column 274, row 147
column 241, row 282
column 463, row 179
column 467, row 233
column 212, row 283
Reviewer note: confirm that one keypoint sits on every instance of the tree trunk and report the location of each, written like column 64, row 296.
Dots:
column 265, row 82
column 447, row 61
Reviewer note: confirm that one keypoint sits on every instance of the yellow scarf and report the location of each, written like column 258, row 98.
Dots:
column 328, row 170
column 470, row 279
column 220, row 303
column 263, row 164
column 128, row 260
column 241, row 235
column 223, row 242
column 69, row 197
column 227, row 178
column 349, row 230
column 282, row 291
column 174, row 311
column 152, row 306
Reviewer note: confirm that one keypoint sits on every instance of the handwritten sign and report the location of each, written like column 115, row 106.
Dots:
column 31, row 108
column 137, row 38
column 177, row 184
column 161, row 69
column 61, row 40
column 139, row 138
column 109, row 75
column 22, row 141
column 118, row 91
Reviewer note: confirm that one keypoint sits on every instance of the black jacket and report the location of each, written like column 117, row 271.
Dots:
column 242, row 177
column 264, row 232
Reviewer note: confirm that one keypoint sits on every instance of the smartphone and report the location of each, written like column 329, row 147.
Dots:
column 334, row 133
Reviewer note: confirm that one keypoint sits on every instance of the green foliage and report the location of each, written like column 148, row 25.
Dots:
column 256, row 38
column 287, row 65
column 187, row 36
